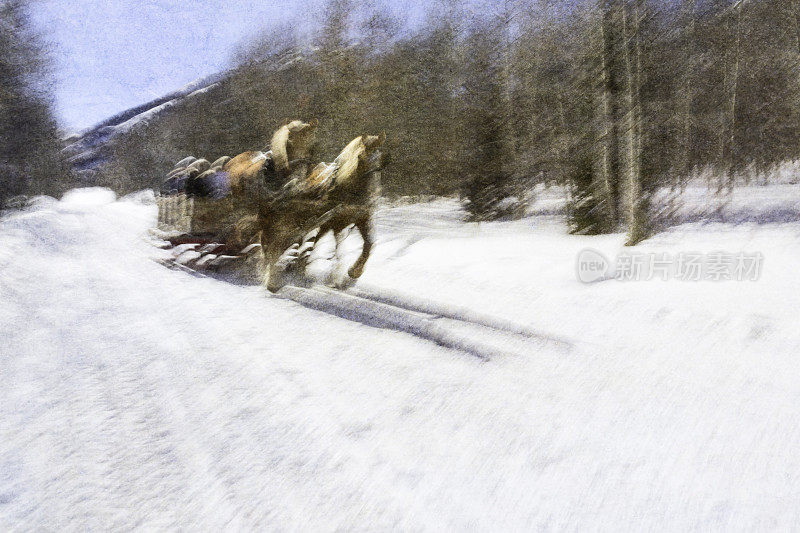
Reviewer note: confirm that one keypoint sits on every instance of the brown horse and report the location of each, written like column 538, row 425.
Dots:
column 229, row 193
column 331, row 198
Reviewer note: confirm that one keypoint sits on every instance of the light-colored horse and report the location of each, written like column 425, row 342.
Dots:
column 333, row 197
column 227, row 195
column 290, row 148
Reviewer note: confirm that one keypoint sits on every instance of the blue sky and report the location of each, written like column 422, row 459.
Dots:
column 110, row 55
column 113, row 54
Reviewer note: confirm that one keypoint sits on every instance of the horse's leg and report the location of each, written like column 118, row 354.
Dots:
column 364, row 226
column 269, row 260
column 273, row 275
column 338, row 276
column 273, row 244
column 307, row 248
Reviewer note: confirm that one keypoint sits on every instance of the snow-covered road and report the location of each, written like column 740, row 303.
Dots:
column 132, row 396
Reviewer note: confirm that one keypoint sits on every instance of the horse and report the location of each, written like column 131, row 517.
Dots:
column 245, row 175
column 333, row 197
column 230, row 189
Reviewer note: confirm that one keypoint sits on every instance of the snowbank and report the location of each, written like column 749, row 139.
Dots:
column 133, row 396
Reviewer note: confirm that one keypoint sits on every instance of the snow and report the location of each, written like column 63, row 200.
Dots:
column 145, row 116
column 133, row 396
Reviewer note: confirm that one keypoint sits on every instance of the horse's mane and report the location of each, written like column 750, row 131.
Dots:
column 278, row 144
column 280, row 141
column 347, row 161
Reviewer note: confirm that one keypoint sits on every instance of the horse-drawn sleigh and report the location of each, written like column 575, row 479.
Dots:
column 240, row 216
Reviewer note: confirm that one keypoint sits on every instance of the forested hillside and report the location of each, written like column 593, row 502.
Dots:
column 618, row 99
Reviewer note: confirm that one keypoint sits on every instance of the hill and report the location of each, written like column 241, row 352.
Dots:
column 89, row 150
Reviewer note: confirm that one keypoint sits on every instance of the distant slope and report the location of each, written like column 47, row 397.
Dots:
column 88, row 150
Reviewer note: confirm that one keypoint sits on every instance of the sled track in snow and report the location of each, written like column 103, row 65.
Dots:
column 461, row 329
column 458, row 328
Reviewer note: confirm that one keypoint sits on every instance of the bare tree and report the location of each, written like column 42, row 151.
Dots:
column 632, row 53
column 30, row 158
column 614, row 98
column 727, row 144
column 608, row 145
column 689, row 20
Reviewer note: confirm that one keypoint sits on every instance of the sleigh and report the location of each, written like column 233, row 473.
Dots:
column 210, row 231
column 224, row 216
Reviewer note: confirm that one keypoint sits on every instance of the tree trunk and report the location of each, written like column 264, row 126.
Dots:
column 507, row 135
column 609, row 179
column 736, row 60
column 637, row 222
column 729, row 132
column 688, row 97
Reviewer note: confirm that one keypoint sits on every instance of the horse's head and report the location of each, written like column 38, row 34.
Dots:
column 293, row 140
column 374, row 156
column 373, row 142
